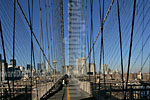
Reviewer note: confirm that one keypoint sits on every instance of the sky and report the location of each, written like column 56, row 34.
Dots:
column 111, row 32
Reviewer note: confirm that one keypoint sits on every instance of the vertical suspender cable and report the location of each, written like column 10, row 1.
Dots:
column 100, row 49
column 31, row 42
column 42, row 37
column 133, row 17
column 48, row 47
column 80, row 31
column 120, row 45
column 142, row 36
column 40, row 29
column 5, row 64
column 52, row 49
column 46, row 35
column 86, row 26
column 51, row 35
column 91, row 2
column 85, row 30
column 102, row 43
column 40, row 70
column 50, row 31
column 49, row 24
column 87, row 36
column 35, row 71
column 93, row 42
column 14, row 44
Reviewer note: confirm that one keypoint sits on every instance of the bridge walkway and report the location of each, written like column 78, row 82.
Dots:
column 71, row 92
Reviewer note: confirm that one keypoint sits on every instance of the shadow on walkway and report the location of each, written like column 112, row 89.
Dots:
column 53, row 93
column 90, row 98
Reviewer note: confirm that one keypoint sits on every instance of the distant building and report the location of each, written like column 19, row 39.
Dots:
column 109, row 71
column 28, row 71
column 22, row 68
column 3, row 70
column 63, row 69
column 116, row 71
column 11, row 62
column 67, row 69
column 10, row 66
column 47, row 67
column 80, row 64
column 28, row 66
column 104, row 69
column 140, row 75
column 92, row 68
column 42, row 67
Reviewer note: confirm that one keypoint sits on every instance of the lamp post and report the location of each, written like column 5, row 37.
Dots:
column 54, row 64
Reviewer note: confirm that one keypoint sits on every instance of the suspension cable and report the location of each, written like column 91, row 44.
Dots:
column 100, row 49
column 46, row 33
column 102, row 45
column 89, row 53
column 86, row 26
column 145, row 62
column 5, row 63
column 129, row 59
column 32, row 31
column 31, row 43
column 51, row 35
column 120, row 45
column 91, row 3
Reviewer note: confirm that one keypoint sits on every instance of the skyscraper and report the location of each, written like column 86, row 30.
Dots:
column 104, row 69
column 47, row 67
column 28, row 66
column 80, row 65
column 43, row 67
column 92, row 68
column 3, row 70
column 11, row 62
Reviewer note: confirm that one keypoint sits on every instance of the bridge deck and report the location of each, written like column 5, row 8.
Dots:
column 71, row 92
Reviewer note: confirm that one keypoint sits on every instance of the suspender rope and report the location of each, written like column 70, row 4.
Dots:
column 120, row 45
column 130, row 46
